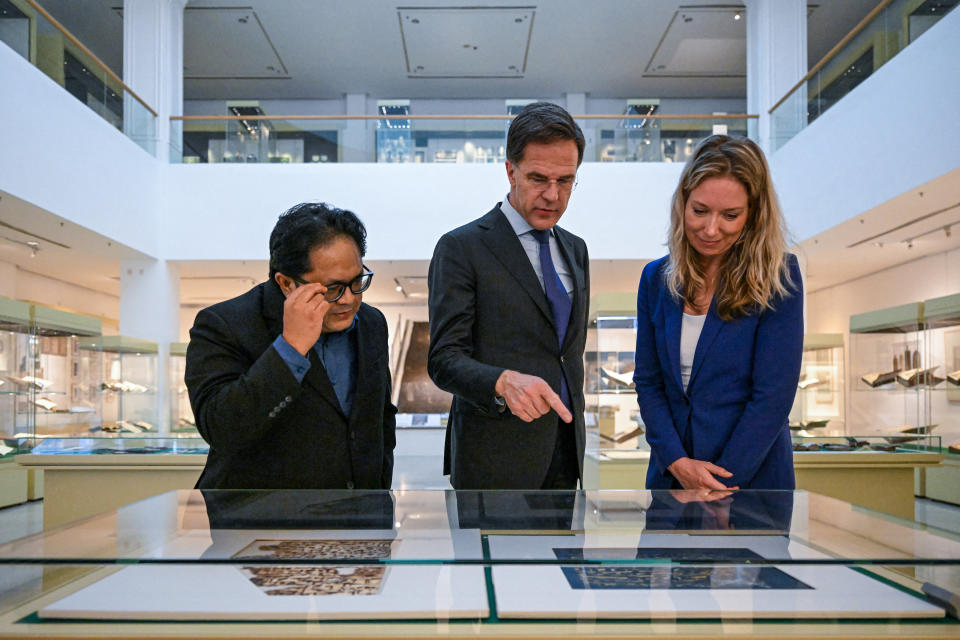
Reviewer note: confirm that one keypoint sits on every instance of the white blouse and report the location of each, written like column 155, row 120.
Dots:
column 689, row 336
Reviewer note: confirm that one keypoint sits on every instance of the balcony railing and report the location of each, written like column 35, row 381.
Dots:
column 419, row 138
column 28, row 29
column 882, row 34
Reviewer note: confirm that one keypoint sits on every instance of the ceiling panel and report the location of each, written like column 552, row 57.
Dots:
column 466, row 42
column 702, row 42
column 228, row 43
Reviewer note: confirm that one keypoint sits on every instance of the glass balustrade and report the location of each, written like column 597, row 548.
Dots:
column 436, row 139
column 30, row 31
column 876, row 41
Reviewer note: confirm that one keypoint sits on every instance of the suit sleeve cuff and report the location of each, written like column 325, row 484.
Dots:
column 298, row 363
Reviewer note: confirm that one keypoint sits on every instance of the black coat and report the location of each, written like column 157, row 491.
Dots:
column 488, row 312
column 266, row 430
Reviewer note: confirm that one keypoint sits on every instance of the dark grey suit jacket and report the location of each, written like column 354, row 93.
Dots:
column 488, row 312
column 266, row 430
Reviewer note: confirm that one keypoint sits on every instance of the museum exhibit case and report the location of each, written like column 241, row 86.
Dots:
column 88, row 475
column 942, row 323
column 904, row 363
column 126, row 369
column 609, row 393
column 819, row 404
column 890, row 374
column 16, row 391
column 16, row 381
column 476, row 563
column 65, row 379
column 181, row 413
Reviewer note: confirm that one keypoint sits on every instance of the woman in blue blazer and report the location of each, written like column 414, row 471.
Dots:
column 720, row 330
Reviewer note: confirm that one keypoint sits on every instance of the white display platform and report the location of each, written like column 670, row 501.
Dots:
column 726, row 591
column 196, row 592
column 171, row 591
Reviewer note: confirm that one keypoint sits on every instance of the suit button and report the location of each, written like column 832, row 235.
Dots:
column 273, row 415
column 282, row 404
column 289, row 399
column 563, row 359
column 350, row 484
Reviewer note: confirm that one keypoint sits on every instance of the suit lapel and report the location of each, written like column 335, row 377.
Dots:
column 318, row 380
column 366, row 351
column 579, row 283
column 505, row 246
column 672, row 319
column 711, row 328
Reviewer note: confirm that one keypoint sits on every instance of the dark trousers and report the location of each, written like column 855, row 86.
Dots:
column 564, row 468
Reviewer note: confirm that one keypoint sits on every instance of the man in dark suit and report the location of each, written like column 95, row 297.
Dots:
column 290, row 382
column 509, row 296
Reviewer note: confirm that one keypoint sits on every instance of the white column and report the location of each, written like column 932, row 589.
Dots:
column 153, row 68
column 357, row 143
column 577, row 105
column 776, row 60
column 150, row 310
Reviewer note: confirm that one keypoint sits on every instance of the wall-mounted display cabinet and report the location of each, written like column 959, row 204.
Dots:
column 819, row 405
column 889, row 374
column 905, row 364
column 942, row 372
column 942, row 366
column 16, row 375
column 16, row 392
column 124, row 374
column 66, row 394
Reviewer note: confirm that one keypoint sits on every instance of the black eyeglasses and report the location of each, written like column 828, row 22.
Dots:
column 335, row 290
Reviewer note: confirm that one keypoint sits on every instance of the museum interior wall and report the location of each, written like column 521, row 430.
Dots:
column 61, row 157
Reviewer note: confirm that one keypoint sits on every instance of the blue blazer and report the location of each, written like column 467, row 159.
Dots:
column 742, row 385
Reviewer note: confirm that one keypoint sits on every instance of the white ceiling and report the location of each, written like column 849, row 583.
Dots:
column 313, row 49
column 910, row 226
column 66, row 250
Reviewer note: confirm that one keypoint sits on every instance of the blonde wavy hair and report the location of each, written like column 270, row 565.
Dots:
column 754, row 271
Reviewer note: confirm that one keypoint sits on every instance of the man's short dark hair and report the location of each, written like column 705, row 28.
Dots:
column 542, row 122
column 306, row 226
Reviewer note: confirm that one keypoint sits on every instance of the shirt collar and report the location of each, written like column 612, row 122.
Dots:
column 520, row 226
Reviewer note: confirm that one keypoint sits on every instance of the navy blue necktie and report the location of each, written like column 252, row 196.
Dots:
column 557, row 297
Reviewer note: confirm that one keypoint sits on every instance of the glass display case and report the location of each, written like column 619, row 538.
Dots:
column 942, row 321
column 942, row 360
column 905, row 443
column 65, row 379
column 609, row 393
column 499, row 563
column 132, row 444
column 126, row 370
column 819, row 404
column 16, row 381
column 181, row 413
column 890, row 373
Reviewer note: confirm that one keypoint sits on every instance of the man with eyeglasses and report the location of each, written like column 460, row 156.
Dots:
column 509, row 296
column 290, row 382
